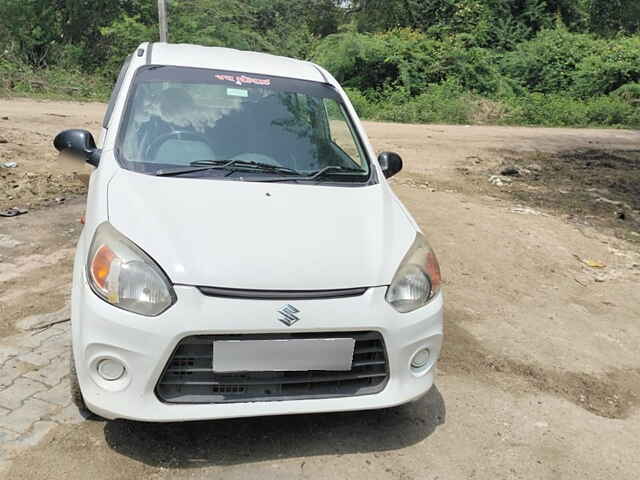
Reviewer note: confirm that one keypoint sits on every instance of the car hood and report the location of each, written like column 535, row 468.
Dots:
column 266, row 236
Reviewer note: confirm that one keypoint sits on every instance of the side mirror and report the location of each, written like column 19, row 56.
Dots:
column 390, row 162
column 79, row 143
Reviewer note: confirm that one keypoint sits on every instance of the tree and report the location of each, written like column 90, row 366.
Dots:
column 609, row 17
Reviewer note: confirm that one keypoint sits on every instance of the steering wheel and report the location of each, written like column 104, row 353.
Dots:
column 152, row 149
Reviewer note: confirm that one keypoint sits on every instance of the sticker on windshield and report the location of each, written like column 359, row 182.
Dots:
column 237, row 92
column 244, row 80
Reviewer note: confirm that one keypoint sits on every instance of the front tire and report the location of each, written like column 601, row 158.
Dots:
column 74, row 390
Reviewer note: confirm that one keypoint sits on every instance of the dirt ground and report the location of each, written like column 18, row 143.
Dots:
column 537, row 232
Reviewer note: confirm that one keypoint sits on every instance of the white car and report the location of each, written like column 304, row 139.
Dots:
column 242, row 252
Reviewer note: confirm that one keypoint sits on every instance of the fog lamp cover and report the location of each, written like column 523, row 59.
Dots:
column 110, row 369
column 420, row 359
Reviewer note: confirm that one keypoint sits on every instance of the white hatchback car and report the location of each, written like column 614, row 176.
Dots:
column 242, row 253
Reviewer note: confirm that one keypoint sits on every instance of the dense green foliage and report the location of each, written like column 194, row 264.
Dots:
column 547, row 62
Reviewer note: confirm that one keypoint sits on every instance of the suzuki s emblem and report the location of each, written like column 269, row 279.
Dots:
column 289, row 316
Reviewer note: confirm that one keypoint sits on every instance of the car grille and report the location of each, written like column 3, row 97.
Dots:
column 189, row 378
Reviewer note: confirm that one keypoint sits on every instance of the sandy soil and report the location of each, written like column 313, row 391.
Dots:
column 540, row 375
column 27, row 128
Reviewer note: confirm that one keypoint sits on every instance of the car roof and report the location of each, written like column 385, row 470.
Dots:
column 219, row 58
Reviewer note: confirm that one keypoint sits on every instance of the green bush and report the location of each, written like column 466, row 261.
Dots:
column 450, row 103
column 356, row 60
column 121, row 38
column 20, row 79
column 411, row 60
column 445, row 103
column 423, row 62
column 551, row 110
column 611, row 111
column 605, row 71
column 364, row 107
column 554, row 110
column 546, row 64
column 629, row 92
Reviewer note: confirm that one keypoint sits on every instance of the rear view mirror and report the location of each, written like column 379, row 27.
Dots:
column 79, row 143
column 390, row 162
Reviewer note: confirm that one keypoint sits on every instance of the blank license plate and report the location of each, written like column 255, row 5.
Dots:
column 283, row 355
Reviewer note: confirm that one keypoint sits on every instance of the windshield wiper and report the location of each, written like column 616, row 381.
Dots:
column 317, row 174
column 201, row 165
column 210, row 165
column 332, row 169
column 250, row 164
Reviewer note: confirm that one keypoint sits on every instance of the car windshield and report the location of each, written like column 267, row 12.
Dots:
column 182, row 119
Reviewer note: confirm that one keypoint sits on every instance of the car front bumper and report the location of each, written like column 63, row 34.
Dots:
column 145, row 344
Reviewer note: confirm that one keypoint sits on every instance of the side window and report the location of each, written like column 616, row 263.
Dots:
column 115, row 91
column 340, row 132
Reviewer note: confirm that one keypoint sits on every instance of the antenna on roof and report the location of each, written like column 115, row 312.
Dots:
column 162, row 20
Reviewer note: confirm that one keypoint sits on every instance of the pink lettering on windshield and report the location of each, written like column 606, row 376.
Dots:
column 244, row 80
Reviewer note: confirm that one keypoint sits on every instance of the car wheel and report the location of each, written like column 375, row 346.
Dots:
column 74, row 389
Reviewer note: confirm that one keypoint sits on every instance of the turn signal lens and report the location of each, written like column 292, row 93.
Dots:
column 122, row 274
column 417, row 280
column 101, row 266
column 433, row 270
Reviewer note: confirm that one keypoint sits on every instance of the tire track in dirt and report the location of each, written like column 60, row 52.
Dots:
column 613, row 394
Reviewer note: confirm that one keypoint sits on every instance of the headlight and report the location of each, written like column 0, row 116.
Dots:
column 417, row 280
column 120, row 273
